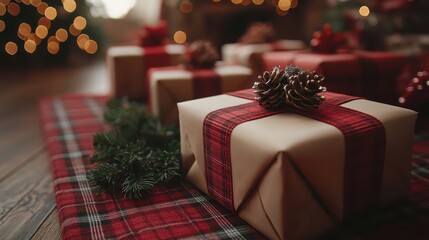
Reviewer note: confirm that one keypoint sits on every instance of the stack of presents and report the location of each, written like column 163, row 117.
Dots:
column 288, row 157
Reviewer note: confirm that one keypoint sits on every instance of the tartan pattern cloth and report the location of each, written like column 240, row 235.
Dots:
column 362, row 171
column 172, row 211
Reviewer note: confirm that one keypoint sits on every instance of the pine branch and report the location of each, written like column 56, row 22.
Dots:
column 138, row 153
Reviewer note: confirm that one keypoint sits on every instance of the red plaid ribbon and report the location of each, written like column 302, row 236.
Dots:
column 172, row 211
column 364, row 141
column 206, row 83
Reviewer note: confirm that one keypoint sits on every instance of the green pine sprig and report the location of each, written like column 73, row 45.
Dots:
column 138, row 152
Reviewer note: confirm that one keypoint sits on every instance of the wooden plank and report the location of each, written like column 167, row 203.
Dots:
column 17, row 186
column 23, row 220
column 50, row 228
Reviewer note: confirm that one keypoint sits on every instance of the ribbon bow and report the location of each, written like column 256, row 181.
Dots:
column 153, row 35
column 326, row 40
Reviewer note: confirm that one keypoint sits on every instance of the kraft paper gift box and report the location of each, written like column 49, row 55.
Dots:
column 171, row 85
column 287, row 175
column 128, row 66
column 239, row 53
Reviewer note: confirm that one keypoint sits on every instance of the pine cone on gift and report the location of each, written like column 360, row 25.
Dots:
column 303, row 88
column 269, row 88
column 202, row 54
column 292, row 70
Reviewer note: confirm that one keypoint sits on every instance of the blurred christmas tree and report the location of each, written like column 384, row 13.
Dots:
column 36, row 31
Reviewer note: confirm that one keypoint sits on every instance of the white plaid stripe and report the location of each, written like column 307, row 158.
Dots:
column 228, row 229
column 72, row 146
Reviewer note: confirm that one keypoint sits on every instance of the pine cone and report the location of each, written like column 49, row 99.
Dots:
column 292, row 70
column 303, row 88
column 202, row 54
column 269, row 89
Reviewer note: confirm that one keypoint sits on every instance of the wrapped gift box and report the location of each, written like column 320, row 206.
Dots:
column 128, row 66
column 288, row 171
column 170, row 85
column 369, row 74
column 380, row 74
column 238, row 53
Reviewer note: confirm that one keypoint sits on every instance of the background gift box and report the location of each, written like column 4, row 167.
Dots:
column 171, row 85
column 128, row 66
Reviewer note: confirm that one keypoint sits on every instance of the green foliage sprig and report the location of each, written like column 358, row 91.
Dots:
column 138, row 152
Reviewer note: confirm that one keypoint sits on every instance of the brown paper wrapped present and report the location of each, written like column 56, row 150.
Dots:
column 170, row 85
column 289, row 174
column 128, row 66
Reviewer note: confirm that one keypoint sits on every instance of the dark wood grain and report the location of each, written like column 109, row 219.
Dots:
column 27, row 203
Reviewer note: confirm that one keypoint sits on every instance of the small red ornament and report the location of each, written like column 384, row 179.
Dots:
column 153, row 35
column 416, row 93
column 326, row 40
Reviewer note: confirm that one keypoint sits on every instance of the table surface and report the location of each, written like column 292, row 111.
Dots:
column 27, row 203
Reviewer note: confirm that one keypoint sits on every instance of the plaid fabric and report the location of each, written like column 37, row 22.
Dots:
column 206, row 83
column 363, row 169
column 173, row 211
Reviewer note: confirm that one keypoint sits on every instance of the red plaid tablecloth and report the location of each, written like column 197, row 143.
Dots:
column 178, row 210
column 173, row 211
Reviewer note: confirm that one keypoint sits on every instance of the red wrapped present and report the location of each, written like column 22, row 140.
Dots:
column 372, row 75
column 380, row 73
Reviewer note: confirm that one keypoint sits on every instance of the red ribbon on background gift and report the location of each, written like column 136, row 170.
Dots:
column 153, row 35
column 364, row 137
column 153, row 40
column 327, row 41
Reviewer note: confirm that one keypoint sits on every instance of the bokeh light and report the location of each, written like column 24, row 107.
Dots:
column 91, row 46
column 69, row 5
column 2, row 25
column 284, row 5
column 41, row 31
column 79, row 23
column 364, row 11
column 11, row 48
column 50, row 13
column 45, row 22
column 2, row 10
column 42, row 7
column 13, row 9
column 30, row 46
column 179, row 37
column 61, row 35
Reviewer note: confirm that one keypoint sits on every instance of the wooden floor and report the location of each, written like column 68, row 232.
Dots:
column 27, row 204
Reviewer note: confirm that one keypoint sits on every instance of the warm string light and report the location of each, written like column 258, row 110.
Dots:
column 282, row 6
column 33, row 37
column 179, row 37
column 364, row 11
